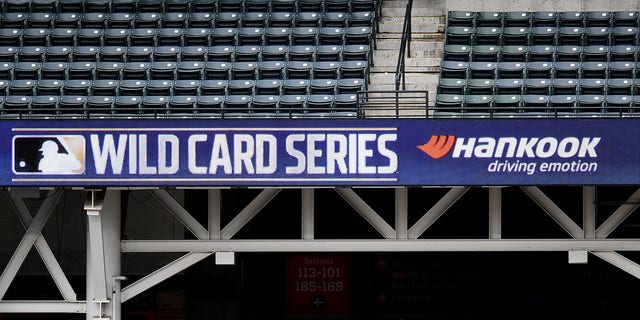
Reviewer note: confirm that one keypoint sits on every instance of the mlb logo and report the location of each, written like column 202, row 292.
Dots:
column 57, row 155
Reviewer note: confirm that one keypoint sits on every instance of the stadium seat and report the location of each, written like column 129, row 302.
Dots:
column 511, row 70
column 461, row 19
column 453, row 69
column 455, row 52
column 216, row 70
column 480, row 87
column 514, row 53
column 623, row 53
column 487, row 36
column 482, row 70
column 328, row 86
column 268, row 87
column 509, row 87
column 622, row 70
column 589, row 103
column 449, row 103
column 543, row 36
column 620, row 87
column 295, row 87
column 485, row 53
column 598, row 19
column 515, row 19
column 566, row 70
column 624, row 19
column 569, row 53
column 506, row 105
column 518, row 36
column 271, row 70
column 596, row 53
column 537, row 87
column 489, row 19
column 593, row 86
column 452, row 86
column 571, row 19
column 302, row 53
column 564, row 86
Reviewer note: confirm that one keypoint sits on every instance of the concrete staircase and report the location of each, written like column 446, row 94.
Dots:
column 422, row 66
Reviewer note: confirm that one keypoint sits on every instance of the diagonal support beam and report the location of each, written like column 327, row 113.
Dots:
column 181, row 214
column 619, row 261
column 28, row 240
column 162, row 274
column 436, row 212
column 618, row 216
column 44, row 250
column 554, row 211
column 248, row 213
column 367, row 212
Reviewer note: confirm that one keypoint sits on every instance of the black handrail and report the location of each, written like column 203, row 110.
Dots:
column 405, row 48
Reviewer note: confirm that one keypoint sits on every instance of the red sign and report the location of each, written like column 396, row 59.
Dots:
column 318, row 285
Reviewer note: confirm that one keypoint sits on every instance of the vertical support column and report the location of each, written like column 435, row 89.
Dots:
column 214, row 205
column 495, row 213
column 103, row 254
column 589, row 212
column 308, row 213
column 402, row 208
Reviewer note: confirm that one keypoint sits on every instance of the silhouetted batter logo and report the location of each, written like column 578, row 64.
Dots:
column 438, row 146
column 63, row 155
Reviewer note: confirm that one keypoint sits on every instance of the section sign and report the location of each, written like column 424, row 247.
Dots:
column 388, row 152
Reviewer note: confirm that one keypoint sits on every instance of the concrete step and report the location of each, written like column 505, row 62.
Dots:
column 419, row 8
column 419, row 79
column 418, row 24
column 430, row 64
column 430, row 53
column 417, row 44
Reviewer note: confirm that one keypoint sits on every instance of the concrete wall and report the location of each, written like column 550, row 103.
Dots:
column 542, row 5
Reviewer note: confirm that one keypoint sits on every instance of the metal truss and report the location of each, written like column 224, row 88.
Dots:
column 103, row 288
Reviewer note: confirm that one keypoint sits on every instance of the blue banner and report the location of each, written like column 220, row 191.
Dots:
column 386, row 152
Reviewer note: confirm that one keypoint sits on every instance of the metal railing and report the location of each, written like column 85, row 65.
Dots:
column 405, row 47
column 394, row 104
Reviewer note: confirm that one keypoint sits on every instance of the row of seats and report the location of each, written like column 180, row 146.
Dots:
column 200, row 19
column 185, row 70
column 539, row 86
column 187, row 37
column 490, row 53
column 539, row 105
column 133, row 6
column 520, row 70
column 189, row 53
column 542, row 36
column 543, row 19
column 341, row 105
column 179, row 87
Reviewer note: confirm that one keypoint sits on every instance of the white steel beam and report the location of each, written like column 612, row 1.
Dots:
column 248, row 213
column 561, row 218
column 214, row 205
column 181, row 214
column 436, row 212
column 618, row 216
column 495, row 213
column 44, row 250
column 39, row 306
column 96, row 272
column 162, row 274
column 621, row 262
column 28, row 240
column 367, row 212
column 308, row 213
column 402, row 209
column 380, row 245
column 589, row 211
